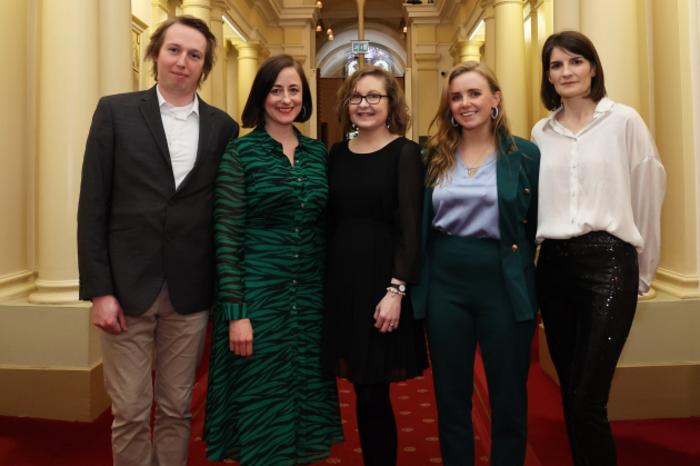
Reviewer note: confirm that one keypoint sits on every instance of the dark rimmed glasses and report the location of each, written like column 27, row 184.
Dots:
column 372, row 99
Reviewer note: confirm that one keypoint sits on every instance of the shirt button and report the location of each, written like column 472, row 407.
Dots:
column 294, row 307
column 298, row 179
column 573, row 194
column 296, row 256
column 572, row 220
column 524, row 221
column 515, row 247
column 526, row 191
column 302, row 204
column 297, row 230
column 294, row 281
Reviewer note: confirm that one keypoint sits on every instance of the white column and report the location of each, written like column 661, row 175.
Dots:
column 217, row 75
column 69, row 89
column 489, row 34
column 510, row 62
column 612, row 27
column 201, row 9
column 115, row 47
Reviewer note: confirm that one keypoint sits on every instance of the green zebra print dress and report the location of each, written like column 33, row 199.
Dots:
column 275, row 409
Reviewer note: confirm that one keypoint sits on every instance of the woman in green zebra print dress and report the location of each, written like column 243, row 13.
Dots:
column 267, row 402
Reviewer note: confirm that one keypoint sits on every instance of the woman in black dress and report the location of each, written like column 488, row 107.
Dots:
column 370, row 336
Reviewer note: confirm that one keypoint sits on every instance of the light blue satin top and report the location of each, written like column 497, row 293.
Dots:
column 467, row 206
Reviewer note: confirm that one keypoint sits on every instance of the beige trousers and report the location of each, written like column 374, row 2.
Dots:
column 179, row 341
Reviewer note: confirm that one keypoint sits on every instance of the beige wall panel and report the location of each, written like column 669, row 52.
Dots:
column 13, row 156
column 645, row 392
column 69, row 395
column 47, row 336
column 673, row 109
column 142, row 10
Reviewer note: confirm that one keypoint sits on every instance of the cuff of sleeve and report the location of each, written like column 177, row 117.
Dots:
column 231, row 311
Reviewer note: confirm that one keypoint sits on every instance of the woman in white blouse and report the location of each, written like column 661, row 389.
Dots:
column 601, row 189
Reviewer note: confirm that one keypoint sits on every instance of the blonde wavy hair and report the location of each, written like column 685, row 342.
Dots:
column 441, row 146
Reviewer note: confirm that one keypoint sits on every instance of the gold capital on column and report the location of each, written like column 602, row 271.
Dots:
column 69, row 89
column 470, row 50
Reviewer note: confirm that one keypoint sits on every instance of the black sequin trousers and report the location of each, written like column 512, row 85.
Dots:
column 587, row 290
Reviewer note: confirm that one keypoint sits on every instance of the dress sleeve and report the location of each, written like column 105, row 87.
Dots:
column 648, row 188
column 408, row 214
column 229, row 236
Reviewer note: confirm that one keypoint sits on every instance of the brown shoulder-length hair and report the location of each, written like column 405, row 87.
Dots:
column 254, row 111
column 158, row 37
column 442, row 144
column 399, row 119
column 573, row 42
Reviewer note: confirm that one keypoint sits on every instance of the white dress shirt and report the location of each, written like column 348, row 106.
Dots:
column 181, row 125
column 608, row 177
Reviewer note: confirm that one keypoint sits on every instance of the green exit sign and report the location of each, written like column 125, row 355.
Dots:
column 360, row 46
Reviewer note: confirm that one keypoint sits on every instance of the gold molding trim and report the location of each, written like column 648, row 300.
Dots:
column 677, row 284
column 16, row 285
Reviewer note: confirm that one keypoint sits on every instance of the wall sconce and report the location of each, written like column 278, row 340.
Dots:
column 329, row 32
column 319, row 4
column 402, row 26
column 319, row 26
column 330, row 37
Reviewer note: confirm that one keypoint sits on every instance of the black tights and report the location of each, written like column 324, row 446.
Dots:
column 376, row 425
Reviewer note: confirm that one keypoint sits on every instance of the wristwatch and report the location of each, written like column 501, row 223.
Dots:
column 400, row 288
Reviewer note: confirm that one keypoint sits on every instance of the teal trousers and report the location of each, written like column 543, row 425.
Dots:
column 468, row 304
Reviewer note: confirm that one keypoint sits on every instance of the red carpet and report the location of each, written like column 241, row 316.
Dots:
column 659, row 442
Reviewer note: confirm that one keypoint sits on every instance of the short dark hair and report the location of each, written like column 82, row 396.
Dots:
column 399, row 118
column 254, row 111
column 158, row 37
column 574, row 42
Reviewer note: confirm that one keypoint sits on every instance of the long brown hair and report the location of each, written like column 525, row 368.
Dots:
column 441, row 146
column 399, row 118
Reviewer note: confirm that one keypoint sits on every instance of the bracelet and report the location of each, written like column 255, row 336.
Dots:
column 398, row 287
column 395, row 291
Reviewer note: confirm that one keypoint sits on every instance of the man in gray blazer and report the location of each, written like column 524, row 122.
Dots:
column 145, row 240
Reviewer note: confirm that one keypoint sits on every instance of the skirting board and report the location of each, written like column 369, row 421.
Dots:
column 645, row 392
column 64, row 394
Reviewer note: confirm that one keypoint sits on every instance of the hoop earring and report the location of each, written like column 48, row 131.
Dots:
column 303, row 110
column 494, row 115
column 454, row 123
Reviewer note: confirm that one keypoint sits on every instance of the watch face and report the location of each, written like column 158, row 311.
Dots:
column 402, row 288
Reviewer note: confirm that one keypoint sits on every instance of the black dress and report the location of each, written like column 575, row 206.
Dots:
column 374, row 214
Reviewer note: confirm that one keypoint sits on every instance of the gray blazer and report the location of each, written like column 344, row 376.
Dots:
column 135, row 230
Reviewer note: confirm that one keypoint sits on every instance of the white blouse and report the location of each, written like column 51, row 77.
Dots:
column 608, row 177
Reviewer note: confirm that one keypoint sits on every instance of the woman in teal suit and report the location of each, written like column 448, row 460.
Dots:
column 478, row 277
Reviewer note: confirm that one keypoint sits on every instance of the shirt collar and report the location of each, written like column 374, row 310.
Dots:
column 604, row 105
column 262, row 133
column 162, row 102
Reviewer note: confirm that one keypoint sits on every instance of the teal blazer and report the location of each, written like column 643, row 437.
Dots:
column 517, row 176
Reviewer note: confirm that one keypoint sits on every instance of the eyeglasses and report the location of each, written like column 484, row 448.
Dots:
column 372, row 99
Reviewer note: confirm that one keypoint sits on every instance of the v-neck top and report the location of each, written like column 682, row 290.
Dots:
column 466, row 206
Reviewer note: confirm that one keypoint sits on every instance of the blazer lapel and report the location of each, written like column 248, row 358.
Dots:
column 150, row 110
column 507, row 176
